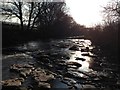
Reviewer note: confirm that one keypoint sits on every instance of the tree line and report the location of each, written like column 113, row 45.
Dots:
column 50, row 19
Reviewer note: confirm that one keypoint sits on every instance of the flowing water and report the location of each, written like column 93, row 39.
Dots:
column 76, row 62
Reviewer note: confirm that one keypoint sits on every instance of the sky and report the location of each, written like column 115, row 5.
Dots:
column 87, row 12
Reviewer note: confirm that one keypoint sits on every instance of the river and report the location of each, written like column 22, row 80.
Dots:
column 76, row 63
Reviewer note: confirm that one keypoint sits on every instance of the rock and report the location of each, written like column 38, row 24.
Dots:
column 12, row 83
column 85, row 54
column 70, row 80
column 21, row 79
column 77, row 86
column 15, row 68
column 74, row 47
column 43, row 78
column 24, row 88
column 22, row 74
column 85, row 49
column 82, row 59
column 23, row 69
column 71, row 88
column 88, row 87
column 44, row 85
column 40, row 75
column 27, row 66
column 58, row 84
column 44, row 56
column 63, row 45
column 19, row 67
column 31, row 63
column 50, row 65
column 67, row 57
column 74, row 63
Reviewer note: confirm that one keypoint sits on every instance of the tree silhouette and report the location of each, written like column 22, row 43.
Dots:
column 49, row 13
column 112, row 11
column 13, row 9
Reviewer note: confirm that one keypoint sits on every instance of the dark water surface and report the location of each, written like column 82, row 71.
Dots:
column 76, row 62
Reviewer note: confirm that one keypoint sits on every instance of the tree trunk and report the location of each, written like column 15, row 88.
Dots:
column 21, row 22
column 20, row 12
column 32, row 5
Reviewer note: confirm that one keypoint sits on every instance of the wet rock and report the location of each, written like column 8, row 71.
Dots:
column 22, row 74
column 43, row 56
column 27, row 66
column 58, row 84
column 44, row 85
column 24, row 88
column 85, row 54
column 23, row 69
column 50, row 65
column 40, row 75
column 31, row 63
column 74, row 63
column 77, row 86
column 85, row 49
column 74, row 47
column 71, row 88
column 78, row 58
column 62, row 64
column 88, row 87
column 63, row 45
column 12, row 83
column 53, row 54
column 19, row 67
column 69, row 74
column 15, row 67
column 42, row 78
column 70, row 80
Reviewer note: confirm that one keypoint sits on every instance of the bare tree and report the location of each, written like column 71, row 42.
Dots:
column 13, row 9
column 34, row 13
column 112, row 11
column 49, row 12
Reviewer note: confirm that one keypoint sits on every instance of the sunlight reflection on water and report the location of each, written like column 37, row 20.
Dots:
column 78, row 54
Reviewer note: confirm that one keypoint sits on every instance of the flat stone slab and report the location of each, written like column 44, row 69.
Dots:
column 23, row 69
column 12, row 82
column 40, row 75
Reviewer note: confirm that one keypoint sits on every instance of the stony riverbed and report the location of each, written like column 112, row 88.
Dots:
column 73, row 64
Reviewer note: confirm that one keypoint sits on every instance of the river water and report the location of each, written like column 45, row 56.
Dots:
column 76, row 62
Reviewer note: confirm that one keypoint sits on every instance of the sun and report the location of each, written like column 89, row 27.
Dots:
column 86, row 12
